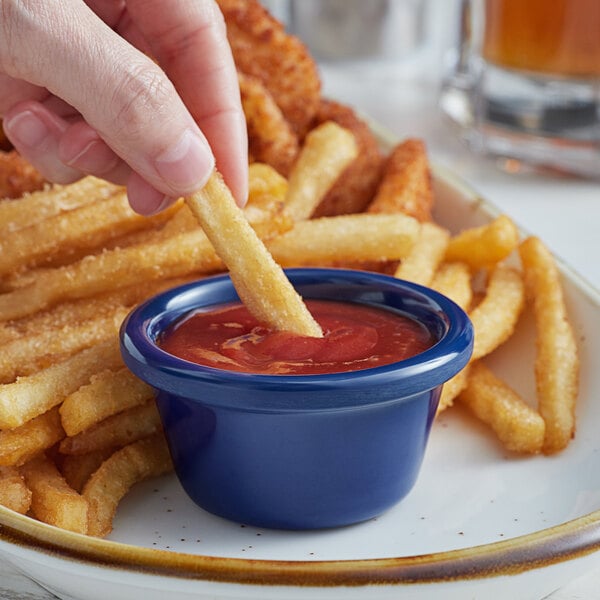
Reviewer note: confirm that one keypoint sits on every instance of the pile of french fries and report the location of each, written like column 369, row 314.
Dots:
column 77, row 429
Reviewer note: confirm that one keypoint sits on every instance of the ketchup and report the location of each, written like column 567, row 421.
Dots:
column 356, row 336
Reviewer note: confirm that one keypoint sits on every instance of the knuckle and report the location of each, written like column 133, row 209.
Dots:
column 142, row 93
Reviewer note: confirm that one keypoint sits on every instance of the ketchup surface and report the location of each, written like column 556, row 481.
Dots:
column 356, row 337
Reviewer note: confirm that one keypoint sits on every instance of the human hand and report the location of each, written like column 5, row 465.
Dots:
column 79, row 95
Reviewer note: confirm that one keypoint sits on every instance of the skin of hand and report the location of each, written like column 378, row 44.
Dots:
column 79, row 94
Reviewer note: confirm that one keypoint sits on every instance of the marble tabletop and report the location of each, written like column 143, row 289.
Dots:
column 564, row 212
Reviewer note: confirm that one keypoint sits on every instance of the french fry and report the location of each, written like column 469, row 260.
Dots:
column 78, row 468
column 483, row 247
column 19, row 445
column 82, row 310
column 421, row 263
column 353, row 190
column 327, row 151
column 37, row 206
column 557, row 359
column 258, row 279
column 519, row 427
column 405, row 186
column 328, row 240
column 108, row 393
column 454, row 281
column 265, row 207
column 115, row 477
column 495, row 317
column 71, row 232
column 452, row 388
column 116, row 431
column 14, row 493
column 266, row 195
column 177, row 256
column 53, row 501
column 264, row 180
column 29, row 354
column 31, row 396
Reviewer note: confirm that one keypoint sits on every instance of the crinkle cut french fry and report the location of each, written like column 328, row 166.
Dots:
column 519, row 427
column 421, row 263
column 31, row 396
column 495, row 317
column 19, row 445
column 114, row 478
column 454, row 281
column 14, row 493
column 108, row 393
column 177, row 256
column 329, row 240
column 259, row 280
column 53, row 500
column 116, row 431
column 486, row 245
column 405, row 186
column 37, row 206
column 29, row 354
column 328, row 149
column 557, row 358
column 83, row 228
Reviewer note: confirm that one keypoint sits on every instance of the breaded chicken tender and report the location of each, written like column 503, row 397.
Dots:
column 263, row 49
column 406, row 182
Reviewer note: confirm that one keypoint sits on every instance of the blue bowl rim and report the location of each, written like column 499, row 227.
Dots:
column 258, row 392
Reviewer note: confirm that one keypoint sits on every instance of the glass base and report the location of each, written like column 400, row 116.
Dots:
column 542, row 121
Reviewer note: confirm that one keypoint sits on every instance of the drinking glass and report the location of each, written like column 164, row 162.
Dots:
column 524, row 82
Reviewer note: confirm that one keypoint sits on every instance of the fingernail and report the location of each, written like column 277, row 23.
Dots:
column 160, row 206
column 94, row 157
column 26, row 129
column 185, row 165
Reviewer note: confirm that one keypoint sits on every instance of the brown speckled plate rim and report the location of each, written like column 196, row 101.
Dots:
column 568, row 541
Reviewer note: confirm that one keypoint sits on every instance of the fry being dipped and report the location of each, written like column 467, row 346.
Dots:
column 258, row 279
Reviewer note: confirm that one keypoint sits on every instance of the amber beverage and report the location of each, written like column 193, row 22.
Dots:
column 524, row 83
column 555, row 37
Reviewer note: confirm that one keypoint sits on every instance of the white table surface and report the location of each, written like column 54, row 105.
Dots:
column 565, row 213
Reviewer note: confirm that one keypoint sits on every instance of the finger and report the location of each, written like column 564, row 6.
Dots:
column 144, row 198
column 115, row 14
column 121, row 93
column 80, row 147
column 35, row 132
column 16, row 90
column 189, row 40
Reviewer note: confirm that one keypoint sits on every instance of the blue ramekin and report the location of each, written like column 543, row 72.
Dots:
column 299, row 451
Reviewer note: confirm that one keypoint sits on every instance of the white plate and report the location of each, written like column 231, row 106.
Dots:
column 480, row 523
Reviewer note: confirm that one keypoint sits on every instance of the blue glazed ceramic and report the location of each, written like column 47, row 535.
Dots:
column 299, row 451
